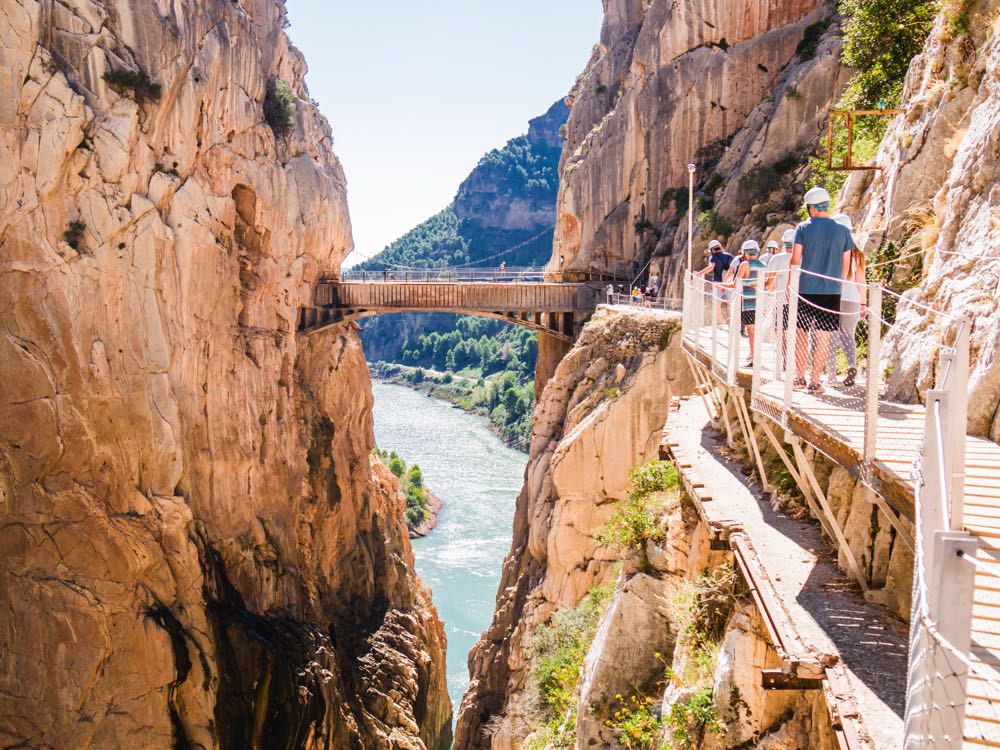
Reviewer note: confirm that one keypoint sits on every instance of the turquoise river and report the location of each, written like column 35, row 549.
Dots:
column 478, row 478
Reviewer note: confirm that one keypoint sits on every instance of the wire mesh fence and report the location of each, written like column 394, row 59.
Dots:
column 819, row 358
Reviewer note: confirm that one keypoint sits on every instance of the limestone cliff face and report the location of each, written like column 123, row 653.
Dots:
column 585, row 440
column 196, row 549
column 940, row 190
column 672, row 83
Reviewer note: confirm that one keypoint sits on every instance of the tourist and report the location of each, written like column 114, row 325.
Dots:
column 769, row 251
column 779, row 263
column 852, row 309
column 746, row 280
column 776, row 280
column 718, row 262
column 822, row 250
column 734, row 268
column 611, row 293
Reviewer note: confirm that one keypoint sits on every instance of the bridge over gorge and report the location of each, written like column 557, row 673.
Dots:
column 553, row 303
column 907, row 444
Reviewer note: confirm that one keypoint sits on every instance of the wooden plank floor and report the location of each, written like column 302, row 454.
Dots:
column 837, row 416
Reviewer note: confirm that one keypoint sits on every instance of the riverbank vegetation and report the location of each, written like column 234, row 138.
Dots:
column 503, row 398
column 419, row 501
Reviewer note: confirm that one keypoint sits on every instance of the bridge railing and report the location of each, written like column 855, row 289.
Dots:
column 638, row 300
column 781, row 363
column 492, row 275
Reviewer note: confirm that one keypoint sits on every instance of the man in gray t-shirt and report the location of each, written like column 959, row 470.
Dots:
column 822, row 249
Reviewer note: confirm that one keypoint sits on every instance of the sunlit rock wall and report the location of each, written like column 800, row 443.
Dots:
column 594, row 422
column 938, row 198
column 668, row 84
column 196, row 551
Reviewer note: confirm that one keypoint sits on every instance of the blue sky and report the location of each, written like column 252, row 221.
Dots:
column 416, row 92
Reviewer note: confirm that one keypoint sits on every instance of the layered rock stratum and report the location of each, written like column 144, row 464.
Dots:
column 936, row 202
column 197, row 550
column 674, row 83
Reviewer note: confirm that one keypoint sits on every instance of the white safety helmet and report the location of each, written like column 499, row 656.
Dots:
column 816, row 196
column 845, row 221
column 750, row 246
column 714, row 244
column 788, row 238
column 772, row 244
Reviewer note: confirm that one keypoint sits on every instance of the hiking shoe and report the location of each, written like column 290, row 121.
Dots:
column 852, row 373
column 815, row 388
column 748, row 363
column 799, row 382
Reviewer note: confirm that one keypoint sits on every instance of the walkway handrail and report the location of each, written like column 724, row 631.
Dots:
column 508, row 274
column 640, row 301
column 945, row 570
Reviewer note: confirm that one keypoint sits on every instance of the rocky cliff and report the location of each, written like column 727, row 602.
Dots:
column 676, row 83
column 600, row 416
column 197, row 551
column 936, row 203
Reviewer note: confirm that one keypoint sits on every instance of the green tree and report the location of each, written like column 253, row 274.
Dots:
column 880, row 39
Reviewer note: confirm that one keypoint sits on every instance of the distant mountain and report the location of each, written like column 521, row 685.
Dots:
column 508, row 199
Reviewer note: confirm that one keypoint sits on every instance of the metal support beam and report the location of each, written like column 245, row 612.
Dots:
column 751, row 438
column 806, row 470
column 802, row 484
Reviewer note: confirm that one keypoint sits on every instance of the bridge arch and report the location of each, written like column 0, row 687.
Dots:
column 557, row 309
column 558, row 325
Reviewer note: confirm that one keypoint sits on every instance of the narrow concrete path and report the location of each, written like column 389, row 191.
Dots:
column 824, row 606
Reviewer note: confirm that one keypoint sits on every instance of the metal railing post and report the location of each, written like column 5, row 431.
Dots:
column 757, row 351
column 715, row 304
column 952, row 589
column 790, row 336
column 873, row 376
column 735, row 310
column 956, row 419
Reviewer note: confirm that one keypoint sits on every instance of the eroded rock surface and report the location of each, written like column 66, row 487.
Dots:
column 196, row 549
column 939, row 191
column 590, row 430
column 672, row 83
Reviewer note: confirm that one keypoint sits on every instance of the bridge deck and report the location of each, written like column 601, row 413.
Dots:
column 833, row 422
column 553, row 307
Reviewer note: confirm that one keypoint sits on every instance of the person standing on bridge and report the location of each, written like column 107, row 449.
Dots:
column 822, row 250
column 611, row 293
column 769, row 251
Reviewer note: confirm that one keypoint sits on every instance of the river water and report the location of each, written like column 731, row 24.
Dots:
column 478, row 478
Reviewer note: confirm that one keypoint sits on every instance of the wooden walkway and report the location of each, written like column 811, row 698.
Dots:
column 555, row 308
column 833, row 422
